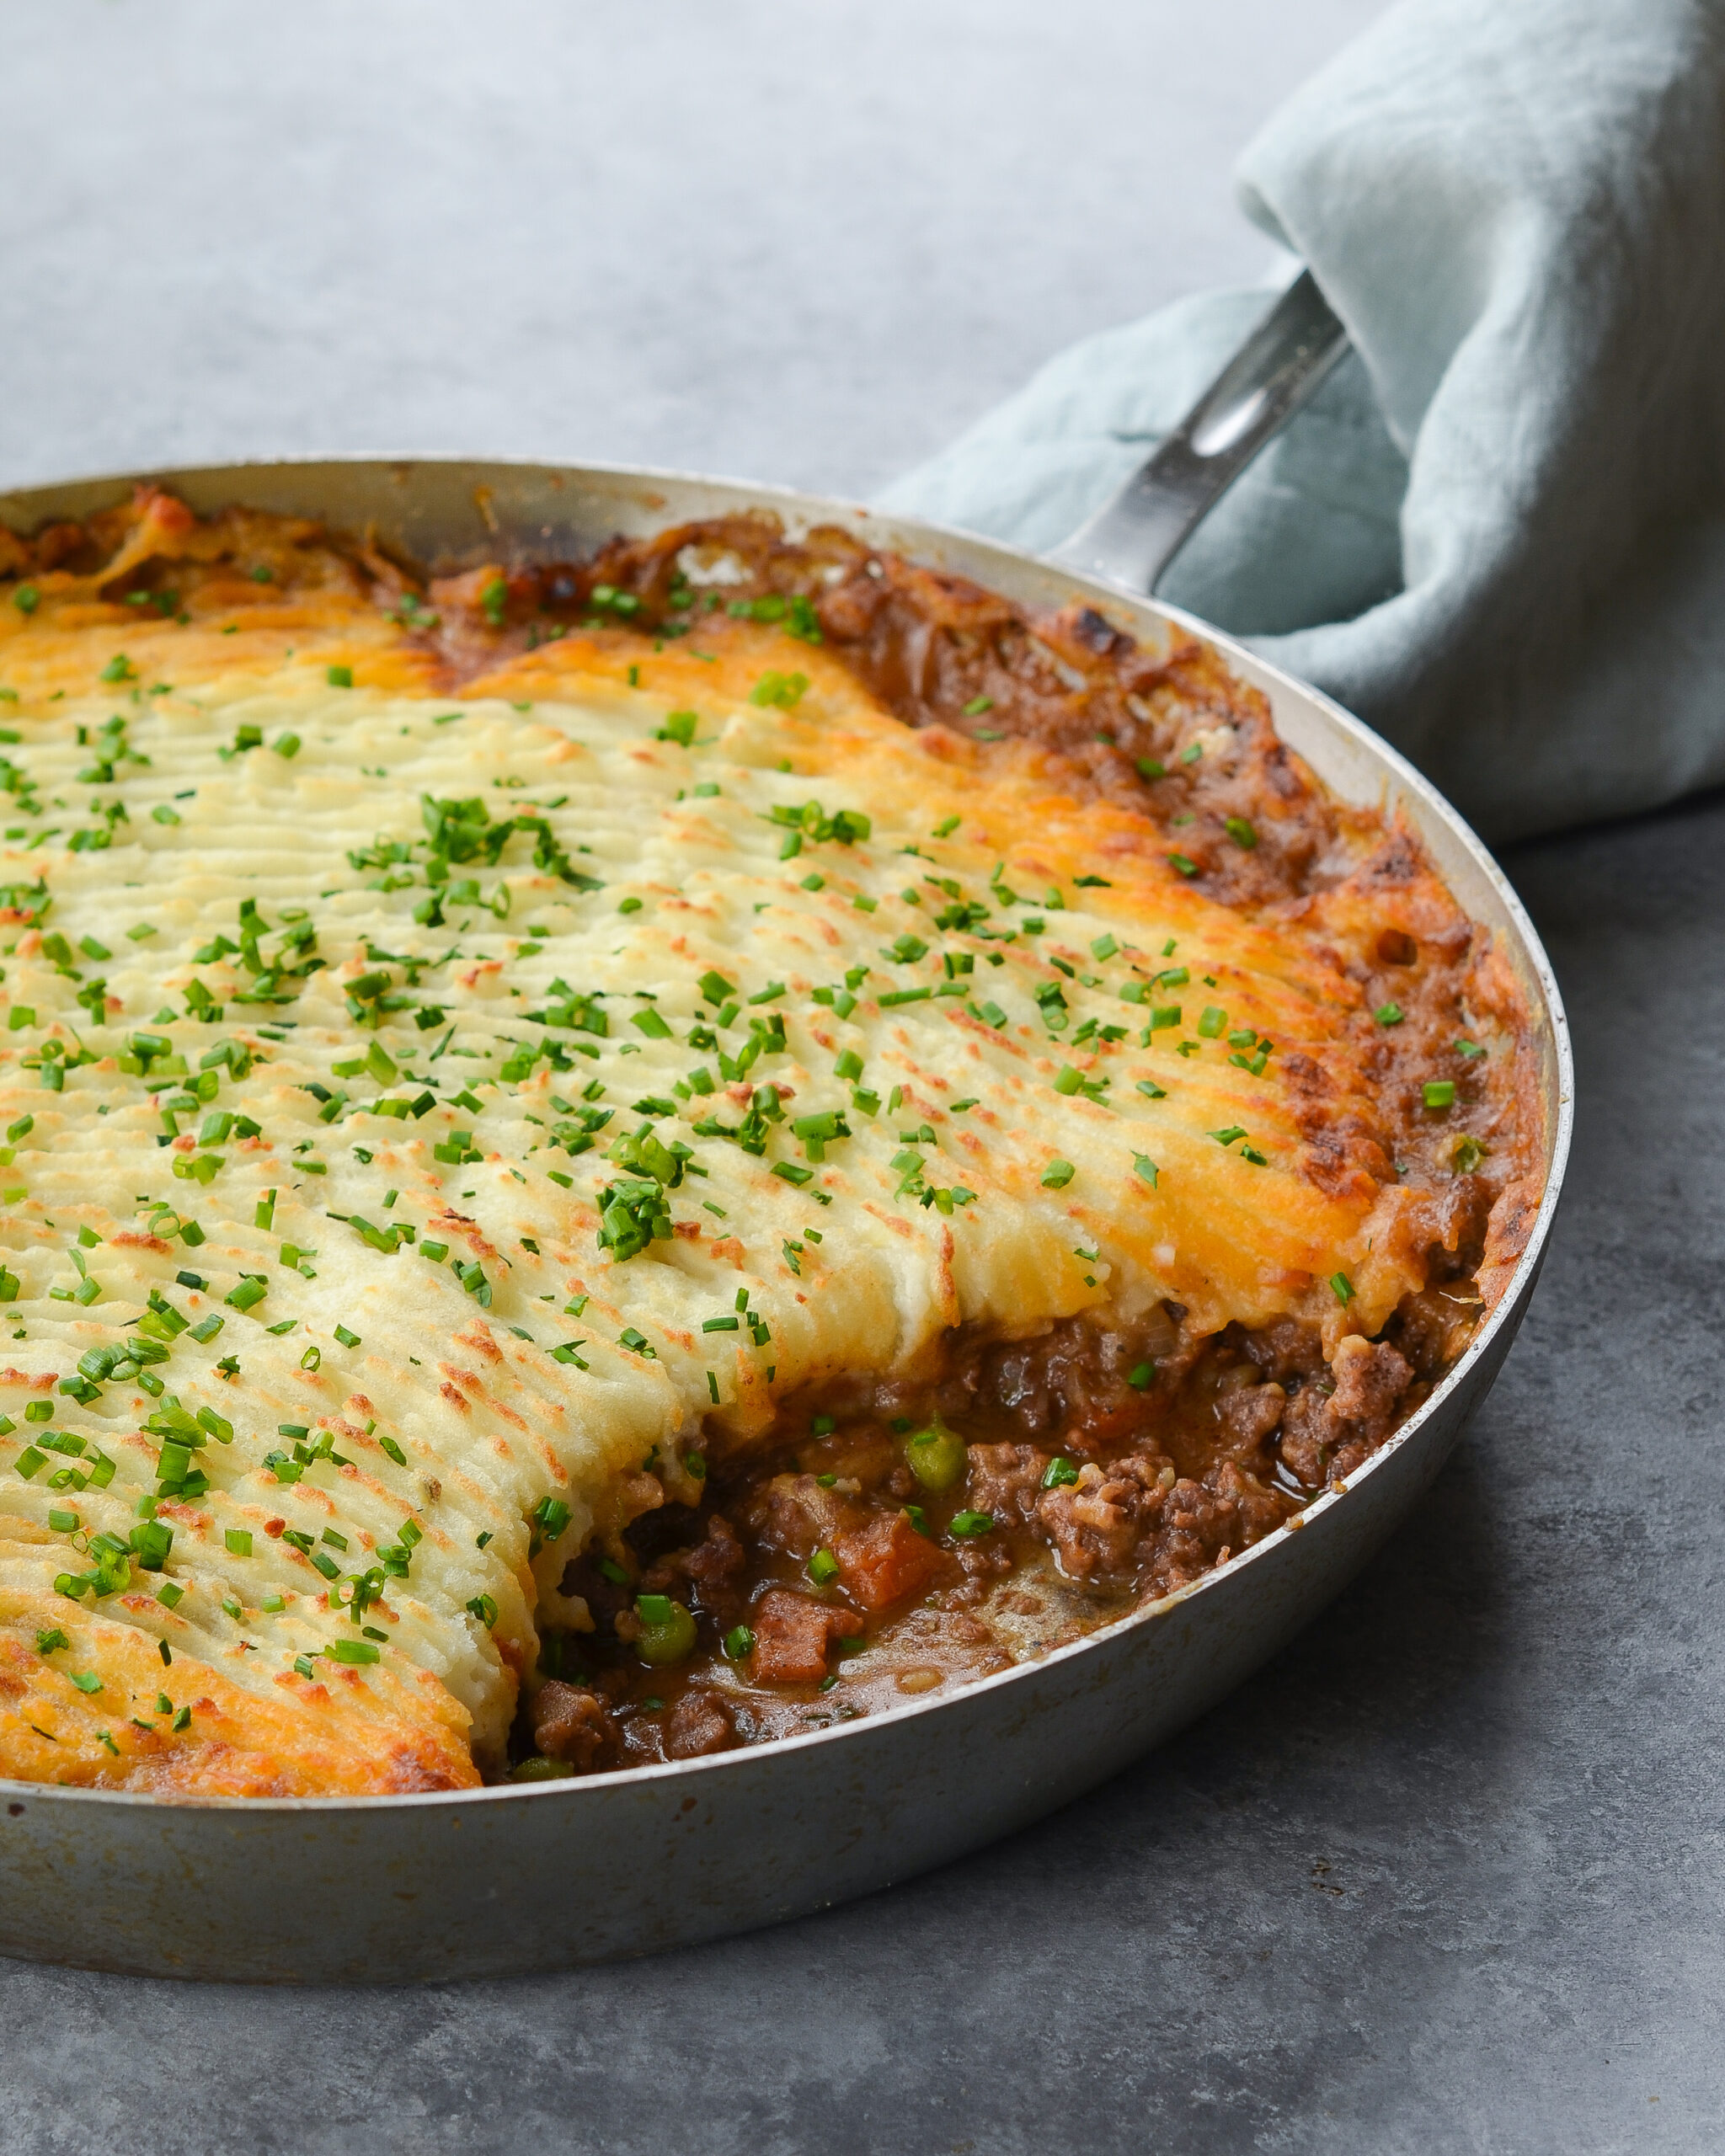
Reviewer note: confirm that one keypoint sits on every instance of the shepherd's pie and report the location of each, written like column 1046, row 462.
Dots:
column 606, row 1160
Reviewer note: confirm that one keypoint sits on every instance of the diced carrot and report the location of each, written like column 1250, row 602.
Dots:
column 887, row 1560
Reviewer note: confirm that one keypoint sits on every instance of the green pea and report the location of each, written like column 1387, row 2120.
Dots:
column 936, row 1455
column 667, row 1630
column 538, row 1769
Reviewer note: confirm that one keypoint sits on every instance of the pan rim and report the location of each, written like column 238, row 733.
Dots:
column 1392, row 764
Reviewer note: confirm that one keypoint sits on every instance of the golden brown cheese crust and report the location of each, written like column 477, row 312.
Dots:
column 341, row 1733
column 1032, row 745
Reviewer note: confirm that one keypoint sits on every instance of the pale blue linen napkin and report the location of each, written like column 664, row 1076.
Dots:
column 1498, row 531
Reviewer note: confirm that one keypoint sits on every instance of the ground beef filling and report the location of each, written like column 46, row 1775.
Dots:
column 896, row 1539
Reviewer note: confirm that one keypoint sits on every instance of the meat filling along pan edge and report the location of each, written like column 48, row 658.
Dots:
column 552, row 1874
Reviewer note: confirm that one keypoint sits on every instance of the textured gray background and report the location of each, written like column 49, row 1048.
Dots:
column 1447, row 1877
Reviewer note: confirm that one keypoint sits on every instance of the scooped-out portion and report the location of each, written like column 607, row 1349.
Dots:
column 916, row 1536
column 607, row 1160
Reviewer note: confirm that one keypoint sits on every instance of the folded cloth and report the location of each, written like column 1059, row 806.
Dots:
column 1498, row 533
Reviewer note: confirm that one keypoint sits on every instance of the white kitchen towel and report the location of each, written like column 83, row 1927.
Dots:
column 1498, row 533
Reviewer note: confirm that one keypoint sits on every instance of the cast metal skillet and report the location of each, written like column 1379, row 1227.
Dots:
column 546, row 1875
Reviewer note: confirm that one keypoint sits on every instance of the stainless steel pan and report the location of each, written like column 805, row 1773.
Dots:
column 544, row 1875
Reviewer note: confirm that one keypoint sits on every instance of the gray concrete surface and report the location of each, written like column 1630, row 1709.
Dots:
column 1447, row 1876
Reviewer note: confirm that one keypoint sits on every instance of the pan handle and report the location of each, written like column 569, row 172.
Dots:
column 1131, row 540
